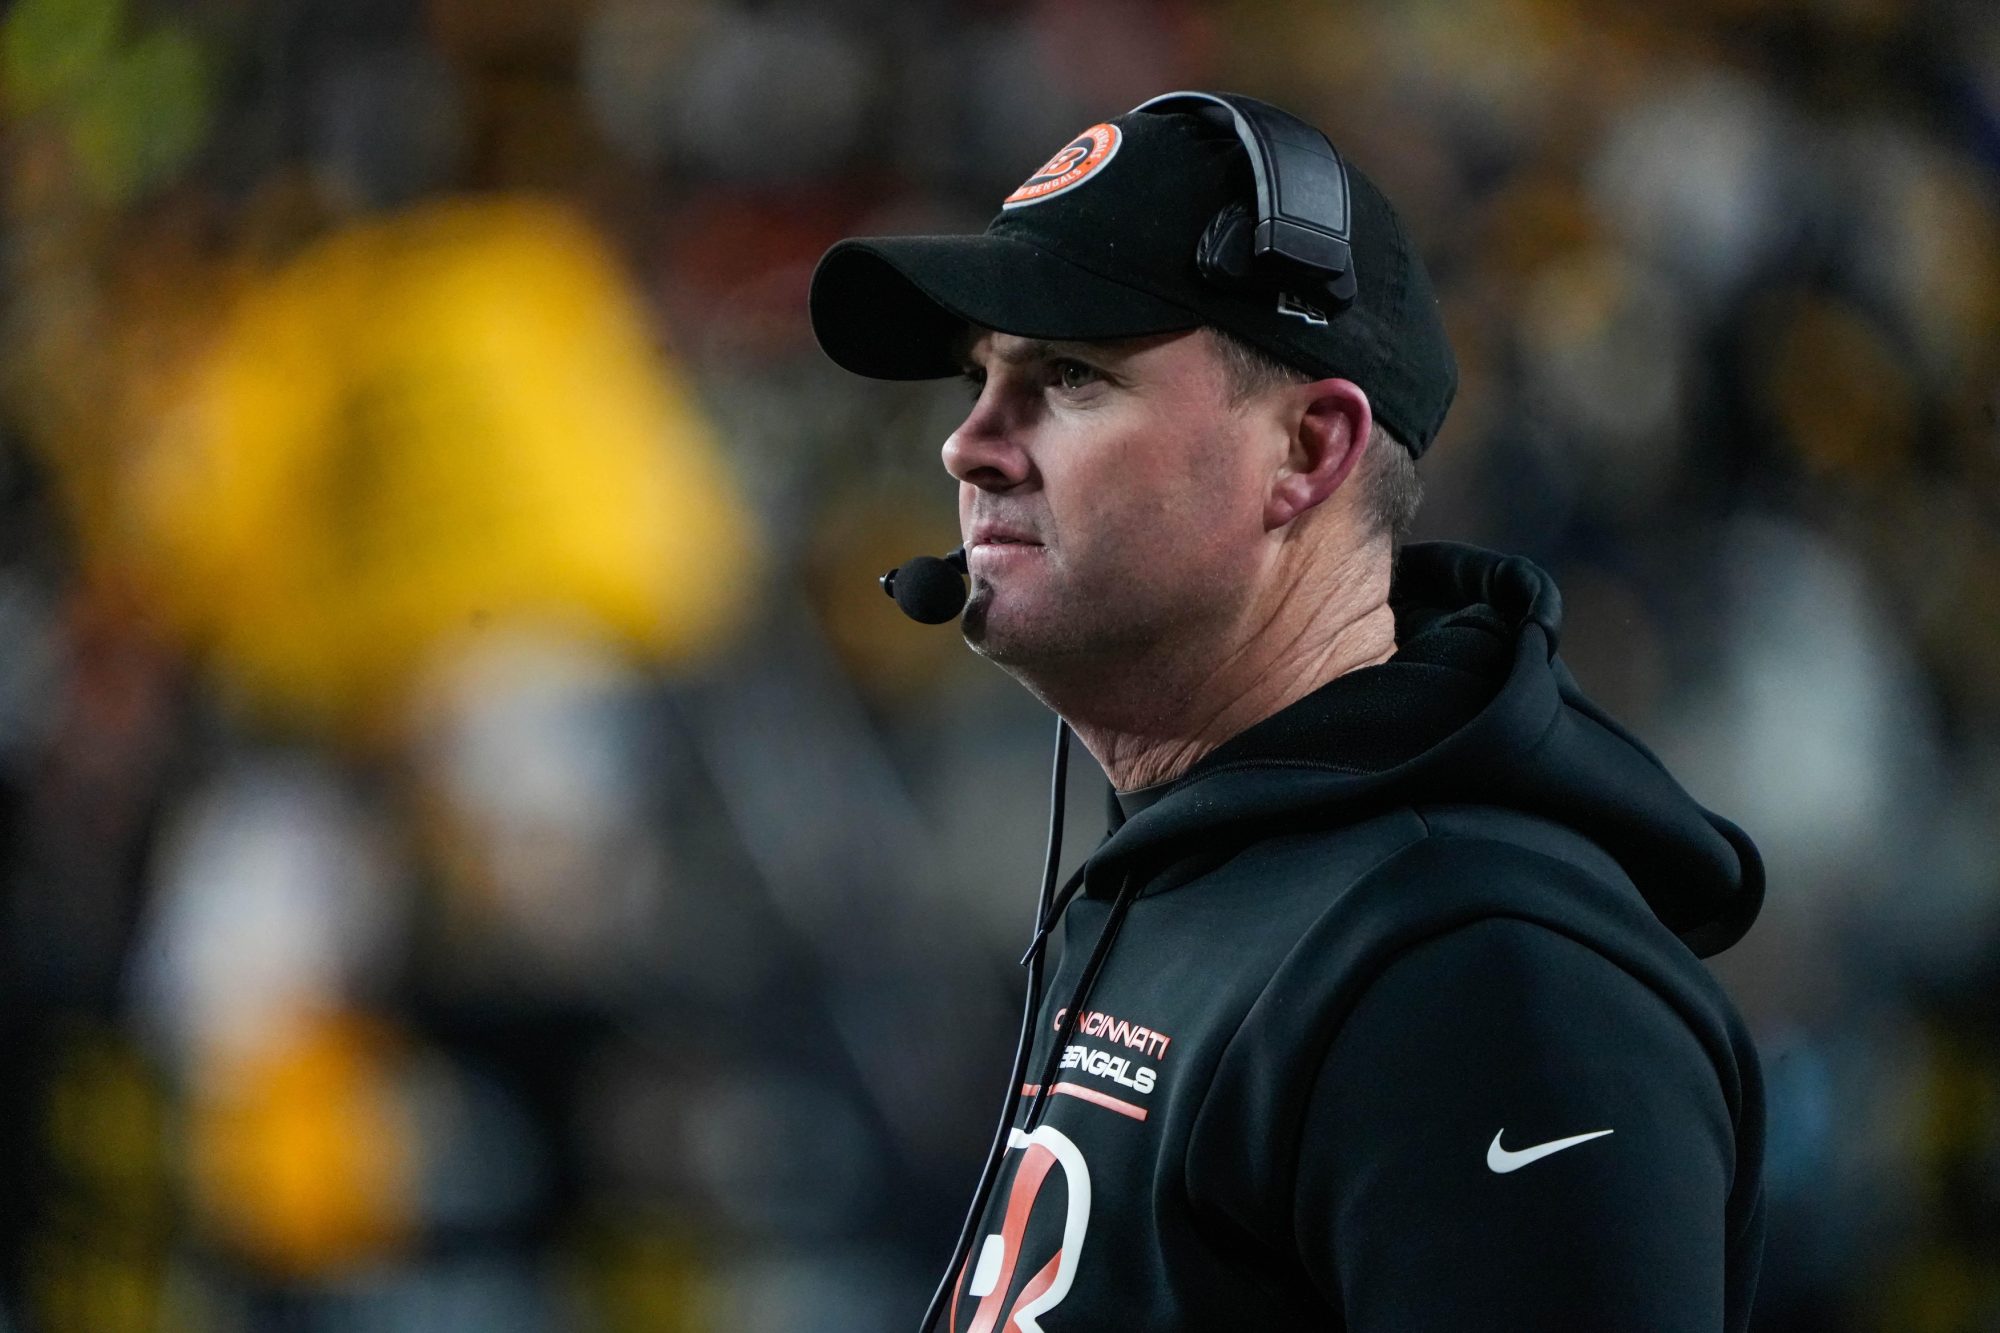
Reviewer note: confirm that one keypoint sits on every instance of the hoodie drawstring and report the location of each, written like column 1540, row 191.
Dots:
column 1080, row 993
column 1049, row 906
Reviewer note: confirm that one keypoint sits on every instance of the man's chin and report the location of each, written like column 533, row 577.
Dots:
column 1002, row 632
column 993, row 629
column 977, row 620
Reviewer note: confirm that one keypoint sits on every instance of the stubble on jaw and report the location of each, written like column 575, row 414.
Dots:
column 1131, row 620
column 1059, row 638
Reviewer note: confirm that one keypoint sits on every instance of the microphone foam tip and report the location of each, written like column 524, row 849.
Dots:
column 930, row 590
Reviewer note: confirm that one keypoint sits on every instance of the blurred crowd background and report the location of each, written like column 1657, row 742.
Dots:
column 478, row 852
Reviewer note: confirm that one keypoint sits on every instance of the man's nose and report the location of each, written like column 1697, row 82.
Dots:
column 983, row 451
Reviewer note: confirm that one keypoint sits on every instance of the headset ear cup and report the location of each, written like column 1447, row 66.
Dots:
column 1222, row 256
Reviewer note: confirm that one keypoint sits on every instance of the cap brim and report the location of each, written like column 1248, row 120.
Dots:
column 895, row 308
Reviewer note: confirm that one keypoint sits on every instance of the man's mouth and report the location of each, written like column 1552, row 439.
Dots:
column 995, row 535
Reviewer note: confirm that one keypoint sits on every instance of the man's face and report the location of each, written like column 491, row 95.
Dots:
column 1111, row 498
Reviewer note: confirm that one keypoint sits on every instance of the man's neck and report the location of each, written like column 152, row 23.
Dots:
column 1158, row 722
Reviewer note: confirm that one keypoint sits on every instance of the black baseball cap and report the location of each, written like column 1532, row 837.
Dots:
column 1100, row 243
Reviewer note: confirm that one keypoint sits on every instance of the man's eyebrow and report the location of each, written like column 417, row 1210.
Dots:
column 1020, row 353
column 1029, row 352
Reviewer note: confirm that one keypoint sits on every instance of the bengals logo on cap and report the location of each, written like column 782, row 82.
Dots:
column 1078, row 161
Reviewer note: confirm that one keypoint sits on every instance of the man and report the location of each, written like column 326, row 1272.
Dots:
column 1379, row 1008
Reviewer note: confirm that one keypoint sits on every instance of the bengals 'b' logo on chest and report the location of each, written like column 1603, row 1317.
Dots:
column 1051, row 1167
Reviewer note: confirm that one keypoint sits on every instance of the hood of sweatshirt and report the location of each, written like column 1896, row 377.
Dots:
column 1474, row 708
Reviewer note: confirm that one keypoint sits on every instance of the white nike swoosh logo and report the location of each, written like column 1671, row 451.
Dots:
column 1500, row 1161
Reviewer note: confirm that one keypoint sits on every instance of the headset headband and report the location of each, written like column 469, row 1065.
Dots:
column 1303, row 214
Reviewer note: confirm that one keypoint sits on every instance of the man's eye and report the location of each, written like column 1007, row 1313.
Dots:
column 974, row 382
column 1073, row 374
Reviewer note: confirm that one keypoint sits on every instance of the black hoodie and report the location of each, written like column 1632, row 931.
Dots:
column 1388, row 1016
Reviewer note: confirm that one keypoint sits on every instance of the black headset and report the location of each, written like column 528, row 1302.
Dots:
column 1299, row 239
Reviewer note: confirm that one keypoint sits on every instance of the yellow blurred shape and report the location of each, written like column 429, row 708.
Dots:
column 648, row 1279
column 82, row 1287
column 107, row 1126
column 300, row 1156
column 97, row 1259
column 423, row 425
column 1841, row 392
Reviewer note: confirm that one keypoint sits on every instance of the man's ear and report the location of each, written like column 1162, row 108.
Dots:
column 1332, row 422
